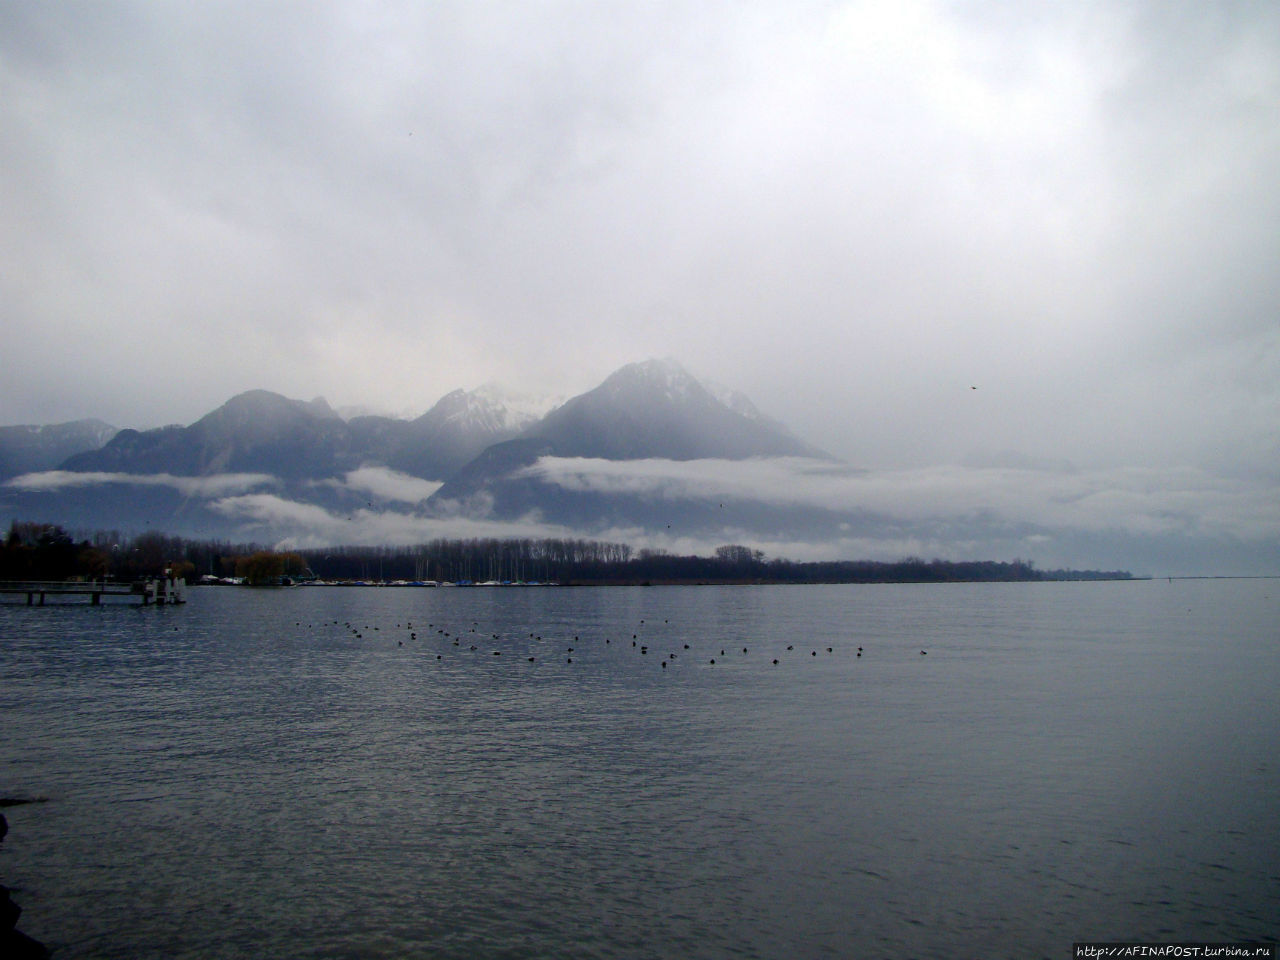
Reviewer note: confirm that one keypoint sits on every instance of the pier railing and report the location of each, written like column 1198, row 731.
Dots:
column 157, row 591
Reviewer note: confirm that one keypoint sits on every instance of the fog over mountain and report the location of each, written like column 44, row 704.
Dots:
column 651, row 457
column 305, row 452
column 454, row 432
column 28, row 448
column 255, row 432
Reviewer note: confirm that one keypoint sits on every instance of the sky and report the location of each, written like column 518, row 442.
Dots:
column 855, row 213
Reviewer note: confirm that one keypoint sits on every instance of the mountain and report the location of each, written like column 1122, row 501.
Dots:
column 263, row 432
column 521, row 407
column 741, row 404
column 29, row 448
column 657, row 409
column 254, row 432
column 266, row 465
column 455, row 431
column 649, row 410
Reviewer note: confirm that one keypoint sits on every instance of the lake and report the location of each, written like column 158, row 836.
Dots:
column 369, row 773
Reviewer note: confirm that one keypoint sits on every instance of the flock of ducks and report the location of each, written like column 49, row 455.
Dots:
column 442, row 639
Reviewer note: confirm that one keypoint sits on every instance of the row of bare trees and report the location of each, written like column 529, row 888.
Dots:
column 41, row 551
column 475, row 560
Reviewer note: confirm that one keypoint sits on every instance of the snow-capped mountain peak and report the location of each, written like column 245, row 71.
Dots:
column 521, row 408
column 655, row 408
column 657, row 378
column 467, row 411
column 490, row 409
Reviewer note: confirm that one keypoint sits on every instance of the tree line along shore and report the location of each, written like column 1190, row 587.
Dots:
column 43, row 551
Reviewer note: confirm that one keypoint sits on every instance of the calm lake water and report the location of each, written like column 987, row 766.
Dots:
column 246, row 777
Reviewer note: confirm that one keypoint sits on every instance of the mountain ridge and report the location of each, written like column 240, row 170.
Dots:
column 28, row 448
column 485, row 456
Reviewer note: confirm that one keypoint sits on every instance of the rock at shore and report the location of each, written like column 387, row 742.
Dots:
column 14, row 944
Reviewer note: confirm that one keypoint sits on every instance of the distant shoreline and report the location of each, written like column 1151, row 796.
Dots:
column 691, row 582
column 46, row 552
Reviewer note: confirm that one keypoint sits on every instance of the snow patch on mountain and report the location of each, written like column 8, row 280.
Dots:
column 522, row 408
column 664, row 378
column 350, row 412
column 736, row 401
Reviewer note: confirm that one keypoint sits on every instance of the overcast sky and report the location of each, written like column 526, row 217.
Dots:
column 853, row 212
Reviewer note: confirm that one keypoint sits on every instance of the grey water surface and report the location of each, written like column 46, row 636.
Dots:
column 245, row 776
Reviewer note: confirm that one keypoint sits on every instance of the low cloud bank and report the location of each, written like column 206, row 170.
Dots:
column 310, row 525
column 1146, row 520
column 387, row 484
column 217, row 485
column 1134, row 500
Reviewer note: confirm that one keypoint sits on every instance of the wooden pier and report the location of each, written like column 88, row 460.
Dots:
column 158, row 591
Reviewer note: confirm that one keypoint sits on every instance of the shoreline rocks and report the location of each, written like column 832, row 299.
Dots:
column 14, row 944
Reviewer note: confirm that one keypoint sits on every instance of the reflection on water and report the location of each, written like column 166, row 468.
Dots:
column 337, row 773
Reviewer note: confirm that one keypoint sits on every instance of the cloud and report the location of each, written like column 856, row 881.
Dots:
column 1139, row 501
column 311, row 525
column 387, row 484
column 1130, row 518
column 852, row 212
column 1184, row 521
column 299, row 525
column 215, row 485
